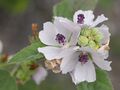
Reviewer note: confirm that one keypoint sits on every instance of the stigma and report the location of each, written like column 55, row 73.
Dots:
column 83, row 58
column 80, row 18
column 60, row 38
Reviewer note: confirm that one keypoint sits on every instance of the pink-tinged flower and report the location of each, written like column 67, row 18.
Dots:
column 78, row 45
column 79, row 62
column 87, row 19
column 40, row 75
column 56, row 37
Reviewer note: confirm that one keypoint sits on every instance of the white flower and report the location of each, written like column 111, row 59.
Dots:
column 77, row 44
column 79, row 63
column 1, row 47
column 56, row 37
column 63, row 33
column 40, row 75
column 86, row 18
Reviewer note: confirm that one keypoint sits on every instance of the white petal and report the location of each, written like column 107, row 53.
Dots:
column 98, row 59
column 74, row 38
column 48, row 34
column 71, row 26
column 86, row 49
column 84, row 72
column 67, row 27
column 103, row 52
column 50, row 52
column 40, row 75
column 65, row 51
column 69, row 61
column 58, row 22
column 78, row 74
column 89, row 16
column 1, row 47
column 99, row 20
column 106, row 34
column 90, row 72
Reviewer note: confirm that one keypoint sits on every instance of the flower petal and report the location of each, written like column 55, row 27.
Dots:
column 40, row 75
column 84, row 72
column 99, row 20
column 106, row 34
column 89, row 16
column 74, row 38
column 67, row 27
column 98, row 59
column 50, row 52
column 103, row 51
column 58, row 23
column 69, row 61
column 48, row 34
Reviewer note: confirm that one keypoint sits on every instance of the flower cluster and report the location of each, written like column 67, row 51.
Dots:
column 75, row 46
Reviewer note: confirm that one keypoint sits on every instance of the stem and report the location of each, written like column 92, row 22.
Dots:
column 14, row 70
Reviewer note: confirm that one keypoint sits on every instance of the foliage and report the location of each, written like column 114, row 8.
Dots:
column 28, row 53
column 6, row 81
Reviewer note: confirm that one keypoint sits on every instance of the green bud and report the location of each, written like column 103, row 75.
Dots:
column 98, row 37
column 94, row 31
column 83, row 41
column 92, row 44
column 21, row 75
column 86, row 32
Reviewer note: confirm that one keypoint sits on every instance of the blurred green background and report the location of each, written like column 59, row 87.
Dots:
column 16, row 17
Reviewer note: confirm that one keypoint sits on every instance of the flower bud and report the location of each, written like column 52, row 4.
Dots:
column 86, row 32
column 92, row 44
column 83, row 41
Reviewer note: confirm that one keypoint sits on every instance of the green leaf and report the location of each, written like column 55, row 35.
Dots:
column 6, row 81
column 102, row 82
column 28, row 53
column 30, row 85
column 68, row 7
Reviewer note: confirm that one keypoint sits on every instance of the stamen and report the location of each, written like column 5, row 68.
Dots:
column 60, row 38
column 83, row 58
column 80, row 18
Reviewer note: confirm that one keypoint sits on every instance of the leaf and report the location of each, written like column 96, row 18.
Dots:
column 30, row 85
column 28, row 53
column 102, row 82
column 68, row 7
column 6, row 81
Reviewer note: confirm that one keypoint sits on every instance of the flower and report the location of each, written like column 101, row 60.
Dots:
column 40, row 75
column 63, row 33
column 56, row 37
column 93, row 35
column 76, row 45
column 78, row 61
